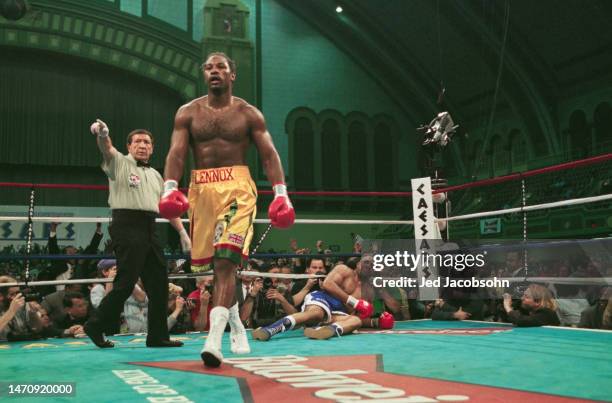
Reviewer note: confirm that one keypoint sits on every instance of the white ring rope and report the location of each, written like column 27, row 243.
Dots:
column 563, row 203
column 170, row 278
column 598, row 281
column 163, row 220
column 542, row 206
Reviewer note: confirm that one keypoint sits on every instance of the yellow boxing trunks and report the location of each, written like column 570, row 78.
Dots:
column 221, row 214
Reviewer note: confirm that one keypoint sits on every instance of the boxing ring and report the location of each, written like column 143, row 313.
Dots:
column 416, row 361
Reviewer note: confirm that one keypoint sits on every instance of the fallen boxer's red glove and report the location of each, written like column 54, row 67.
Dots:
column 386, row 321
column 281, row 212
column 173, row 202
column 363, row 308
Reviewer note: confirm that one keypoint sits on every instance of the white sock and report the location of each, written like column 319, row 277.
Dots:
column 219, row 316
column 234, row 314
column 339, row 329
column 239, row 343
column 291, row 321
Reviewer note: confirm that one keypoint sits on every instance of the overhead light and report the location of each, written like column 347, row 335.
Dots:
column 339, row 9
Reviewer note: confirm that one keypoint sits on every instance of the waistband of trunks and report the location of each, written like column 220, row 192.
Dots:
column 218, row 175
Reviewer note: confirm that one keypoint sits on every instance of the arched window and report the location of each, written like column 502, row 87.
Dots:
column 303, row 153
column 602, row 122
column 330, row 155
column 358, row 156
column 384, row 170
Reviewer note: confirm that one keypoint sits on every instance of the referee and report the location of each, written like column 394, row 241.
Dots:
column 134, row 192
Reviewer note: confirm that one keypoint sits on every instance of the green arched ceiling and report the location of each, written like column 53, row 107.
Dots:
column 553, row 48
column 100, row 32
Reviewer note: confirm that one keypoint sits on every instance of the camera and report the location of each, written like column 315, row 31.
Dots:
column 267, row 284
column 209, row 288
column 31, row 296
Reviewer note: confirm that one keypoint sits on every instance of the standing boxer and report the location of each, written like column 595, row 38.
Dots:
column 219, row 128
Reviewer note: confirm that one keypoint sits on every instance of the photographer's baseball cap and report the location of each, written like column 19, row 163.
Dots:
column 105, row 264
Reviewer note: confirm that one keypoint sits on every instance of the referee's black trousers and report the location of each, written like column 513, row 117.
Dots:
column 139, row 254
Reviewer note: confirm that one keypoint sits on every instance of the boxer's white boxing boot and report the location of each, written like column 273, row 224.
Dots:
column 239, row 343
column 211, row 353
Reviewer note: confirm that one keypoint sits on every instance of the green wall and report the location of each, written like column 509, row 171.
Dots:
column 300, row 67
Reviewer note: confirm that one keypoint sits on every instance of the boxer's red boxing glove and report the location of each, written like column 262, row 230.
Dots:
column 173, row 202
column 386, row 321
column 281, row 212
column 363, row 308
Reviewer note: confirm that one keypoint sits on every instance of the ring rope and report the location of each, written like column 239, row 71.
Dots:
column 163, row 220
column 171, row 277
column 483, row 182
column 596, row 281
column 182, row 256
column 534, row 207
column 542, row 206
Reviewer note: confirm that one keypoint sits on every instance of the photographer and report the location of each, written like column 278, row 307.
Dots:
column 270, row 302
column 315, row 266
column 179, row 320
column 76, row 307
column 201, row 303
column 19, row 319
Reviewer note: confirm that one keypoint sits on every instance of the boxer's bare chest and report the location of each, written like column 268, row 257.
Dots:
column 350, row 286
column 229, row 125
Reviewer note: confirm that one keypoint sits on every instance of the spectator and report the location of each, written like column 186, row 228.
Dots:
column 593, row 316
column 270, row 304
column 77, row 313
column 539, row 304
column 48, row 327
column 418, row 309
column 571, row 304
column 244, row 283
column 10, row 304
column 178, row 311
column 135, row 311
column 514, row 265
column 182, row 266
column 246, row 310
column 107, row 268
column 278, row 291
column 315, row 266
column 607, row 316
column 298, row 263
column 20, row 319
column 286, row 284
column 444, row 310
column 201, row 303
column 67, row 269
column 459, row 303
column 54, row 302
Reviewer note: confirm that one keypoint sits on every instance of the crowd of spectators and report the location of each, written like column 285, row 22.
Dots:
column 61, row 311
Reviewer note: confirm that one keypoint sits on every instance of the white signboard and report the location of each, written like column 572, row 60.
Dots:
column 78, row 234
column 424, row 233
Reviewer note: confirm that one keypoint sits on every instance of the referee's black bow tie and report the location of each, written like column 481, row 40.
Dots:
column 143, row 164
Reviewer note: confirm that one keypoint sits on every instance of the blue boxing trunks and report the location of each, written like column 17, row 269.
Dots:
column 331, row 305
